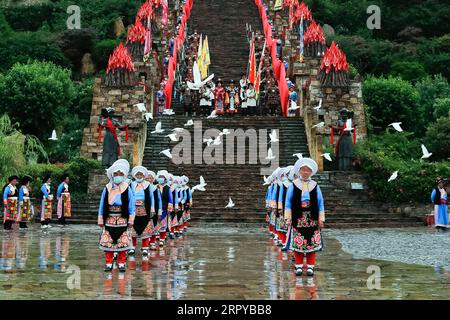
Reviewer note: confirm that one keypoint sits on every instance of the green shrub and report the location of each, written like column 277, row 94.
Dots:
column 408, row 70
column 391, row 100
column 437, row 138
column 78, row 171
column 37, row 95
column 102, row 51
column 382, row 155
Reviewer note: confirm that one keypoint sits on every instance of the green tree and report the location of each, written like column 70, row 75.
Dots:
column 437, row 138
column 391, row 100
column 37, row 95
column 408, row 70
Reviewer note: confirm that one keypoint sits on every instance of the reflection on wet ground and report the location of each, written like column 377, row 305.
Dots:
column 207, row 263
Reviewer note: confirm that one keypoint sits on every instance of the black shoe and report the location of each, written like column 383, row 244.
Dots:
column 108, row 267
column 310, row 272
column 284, row 249
column 171, row 236
column 122, row 268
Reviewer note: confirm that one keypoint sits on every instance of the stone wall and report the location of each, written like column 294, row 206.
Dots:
column 123, row 101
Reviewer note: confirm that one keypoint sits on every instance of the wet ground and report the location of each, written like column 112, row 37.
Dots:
column 220, row 263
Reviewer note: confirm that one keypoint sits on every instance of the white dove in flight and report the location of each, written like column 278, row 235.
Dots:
column 327, row 156
column 273, row 136
column 270, row 155
column 266, row 181
column 393, row 176
column 213, row 115
column 217, row 141
column 208, row 141
column 319, row 125
column 169, row 112
column 425, row 152
column 319, row 106
column 189, row 123
column 230, row 203
column 198, row 83
column 141, row 107
column 396, row 126
column 173, row 137
column 178, row 130
column 167, row 153
column 225, row 132
column 293, row 106
column 53, row 137
column 158, row 128
column 148, row 116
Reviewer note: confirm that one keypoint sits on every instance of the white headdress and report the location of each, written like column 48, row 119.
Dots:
column 116, row 167
column 308, row 162
column 151, row 174
column 140, row 169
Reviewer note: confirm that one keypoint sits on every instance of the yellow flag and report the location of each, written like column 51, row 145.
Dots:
column 204, row 69
column 199, row 53
column 208, row 59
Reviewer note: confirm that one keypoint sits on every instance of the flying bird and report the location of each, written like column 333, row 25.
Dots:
column 198, row 83
column 425, row 152
column 167, row 153
column 178, row 130
column 217, row 141
column 293, row 106
column 230, row 203
column 270, row 155
column 298, row 155
column 273, row 136
column 158, row 128
column 208, row 141
column 173, row 137
column 266, row 181
column 148, row 116
column 396, row 126
column 198, row 187
column 225, row 132
column 213, row 115
column 319, row 125
column 53, row 137
column 189, row 123
column 319, row 106
column 327, row 156
column 141, row 107
column 169, row 112
column 393, row 176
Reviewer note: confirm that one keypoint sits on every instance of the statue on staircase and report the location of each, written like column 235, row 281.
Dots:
column 346, row 140
column 111, row 146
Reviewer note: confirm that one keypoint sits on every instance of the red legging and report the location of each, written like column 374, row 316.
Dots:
column 162, row 235
column 121, row 257
column 144, row 242
column 310, row 258
column 281, row 236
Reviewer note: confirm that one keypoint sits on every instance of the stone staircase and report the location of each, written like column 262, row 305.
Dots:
column 345, row 207
column 224, row 22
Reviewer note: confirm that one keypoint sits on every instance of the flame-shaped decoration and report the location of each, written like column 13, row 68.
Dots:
column 334, row 59
column 136, row 32
column 120, row 59
column 314, row 33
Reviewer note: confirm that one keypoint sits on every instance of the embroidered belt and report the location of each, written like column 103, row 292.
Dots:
column 139, row 202
column 115, row 209
column 444, row 201
column 140, row 210
column 26, row 198
column 12, row 198
column 306, row 204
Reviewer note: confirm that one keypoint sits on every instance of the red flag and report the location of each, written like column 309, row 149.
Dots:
column 252, row 68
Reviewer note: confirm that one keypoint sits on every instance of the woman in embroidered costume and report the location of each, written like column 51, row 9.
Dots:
column 268, row 208
column 47, row 202
column 11, row 203
column 187, row 203
column 115, row 215
column 173, row 215
column 25, row 205
column 158, row 209
column 179, row 203
column 166, row 204
column 281, row 226
column 304, row 209
column 64, row 203
column 144, row 210
column 273, row 203
column 440, row 200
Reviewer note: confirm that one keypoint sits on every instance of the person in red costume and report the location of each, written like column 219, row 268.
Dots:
column 219, row 98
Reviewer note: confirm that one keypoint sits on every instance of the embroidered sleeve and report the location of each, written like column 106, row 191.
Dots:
column 152, row 199
column 44, row 191
column 5, row 194
column 159, row 203
column 321, row 204
column 288, row 203
column 100, row 208
column 60, row 190
column 280, row 197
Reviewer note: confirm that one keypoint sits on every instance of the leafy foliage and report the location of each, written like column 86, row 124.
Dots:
column 437, row 138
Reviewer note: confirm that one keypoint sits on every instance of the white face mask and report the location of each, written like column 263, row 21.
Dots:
column 139, row 180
